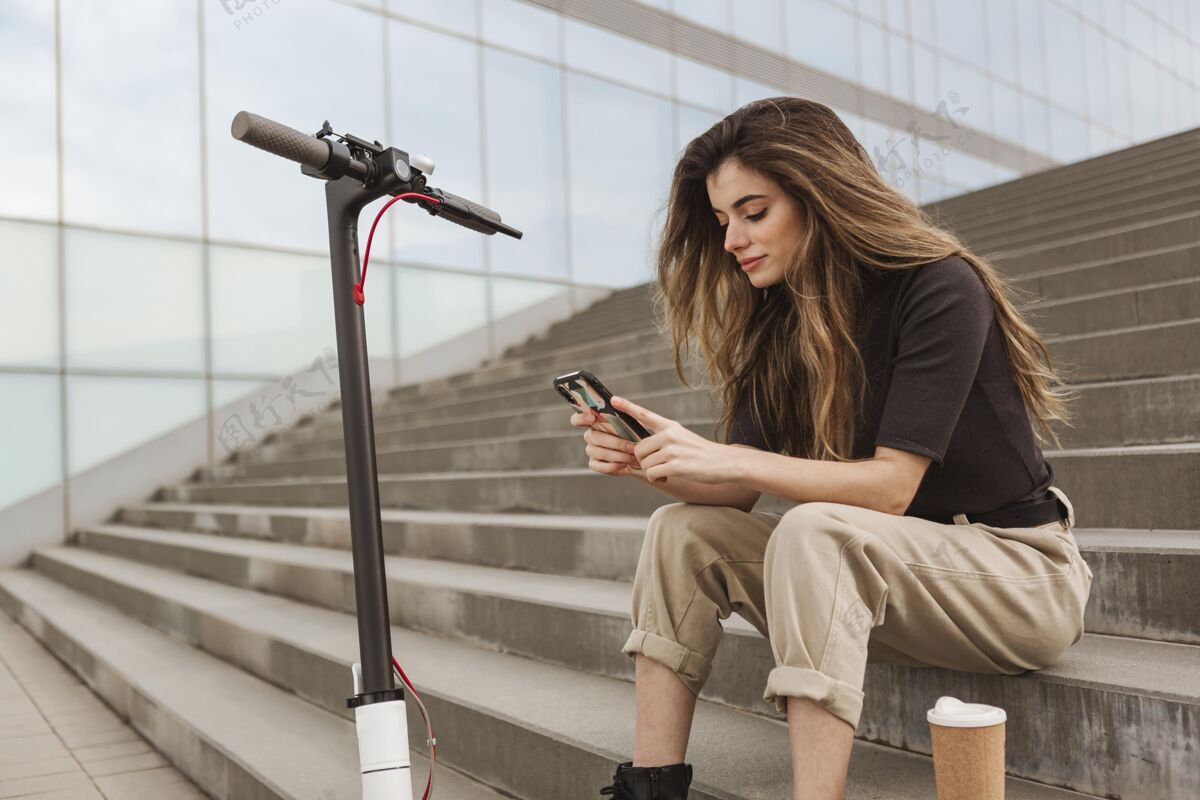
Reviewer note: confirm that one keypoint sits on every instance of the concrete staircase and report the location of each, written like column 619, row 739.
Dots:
column 216, row 617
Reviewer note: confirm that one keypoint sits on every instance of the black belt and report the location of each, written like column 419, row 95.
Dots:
column 1023, row 515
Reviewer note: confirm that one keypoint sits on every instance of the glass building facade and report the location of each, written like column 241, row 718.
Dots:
column 153, row 269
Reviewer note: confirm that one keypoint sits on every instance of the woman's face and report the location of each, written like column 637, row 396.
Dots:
column 760, row 221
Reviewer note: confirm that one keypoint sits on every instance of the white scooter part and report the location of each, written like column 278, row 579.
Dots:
column 382, row 747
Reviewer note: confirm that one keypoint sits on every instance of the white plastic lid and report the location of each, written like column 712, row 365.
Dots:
column 953, row 713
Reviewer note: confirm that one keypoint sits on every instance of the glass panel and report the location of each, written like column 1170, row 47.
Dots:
column 933, row 190
column 1118, row 85
column 963, row 87
column 968, row 171
column 1065, row 60
column 1147, row 120
column 1100, row 141
column 617, row 135
column 898, row 73
column 1139, row 28
column 522, row 27
column 510, row 295
column 265, row 408
column 961, row 30
column 923, row 22
column 525, row 164
column 1170, row 101
column 887, row 151
column 856, row 124
column 255, row 196
column 438, row 306
column 440, row 119
column 1002, row 39
column 1068, row 136
column 703, row 85
column 747, row 91
column 228, row 391
column 457, row 15
column 28, row 295
column 1113, row 16
column 872, row 9
column 1006, row 113
column 1031, row 47
column 759, row 22
column 617, row 57
column 1005, row 173
column 925, row 84
column 1035, row 124
column 1189, row 98
column 713, row 13
column 691, row 123
column 32, row 459
column 29, row 165
column 824, row 36
column 874, row 56
column 897, row 15
column 272, row 313
column 133, row 302
column 1099, row 108
column 131, row 138
column 377, row 311
column 109, row 416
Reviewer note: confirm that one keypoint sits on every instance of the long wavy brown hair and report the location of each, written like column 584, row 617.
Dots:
column 790, row 349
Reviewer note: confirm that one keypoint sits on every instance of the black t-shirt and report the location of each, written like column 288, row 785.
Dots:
column 938, row 384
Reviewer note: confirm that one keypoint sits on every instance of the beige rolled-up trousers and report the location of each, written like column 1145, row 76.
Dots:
column 836, row 586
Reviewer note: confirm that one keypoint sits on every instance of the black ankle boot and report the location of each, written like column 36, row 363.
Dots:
column 650, row 783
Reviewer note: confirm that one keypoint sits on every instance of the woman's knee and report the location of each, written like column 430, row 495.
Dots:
column 810, row 533
column 687, row 532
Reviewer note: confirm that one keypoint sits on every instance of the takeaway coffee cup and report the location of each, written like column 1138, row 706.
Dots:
column 968, row 750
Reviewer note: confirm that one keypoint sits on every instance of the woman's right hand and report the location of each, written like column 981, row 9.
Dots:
column 607, row 454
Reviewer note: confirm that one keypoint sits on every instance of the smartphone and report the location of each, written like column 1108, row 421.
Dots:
column 584, row 391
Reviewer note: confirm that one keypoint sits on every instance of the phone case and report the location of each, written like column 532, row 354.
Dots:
column 583, row 391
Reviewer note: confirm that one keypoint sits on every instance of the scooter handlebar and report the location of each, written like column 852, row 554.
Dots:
column 279, row 139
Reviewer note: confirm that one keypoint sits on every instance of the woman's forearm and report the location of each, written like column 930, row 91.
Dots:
column 711, row 494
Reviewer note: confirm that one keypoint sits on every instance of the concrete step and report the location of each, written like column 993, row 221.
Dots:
column 1069, row 177
column 513, row 707
column 234, row 734
column 1073, row 281
column 525, row 430
column 1144, row 351
column 1153, row 486
column 1178, row 230
column 1162, row 265
column 453, row 404
column 1099, row 194
column 1095, row 311
column 1142, row 587
column 1146, row 486
column 1156, row 266
column 590, row 332
column 1140, row 411
column 605, row 360
column 601, row 547
column 1046, row 226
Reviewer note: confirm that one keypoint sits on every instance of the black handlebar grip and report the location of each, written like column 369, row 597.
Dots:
column 473, row 208
column 281, row 140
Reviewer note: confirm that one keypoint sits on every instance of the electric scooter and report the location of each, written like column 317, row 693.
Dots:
column 357, row 172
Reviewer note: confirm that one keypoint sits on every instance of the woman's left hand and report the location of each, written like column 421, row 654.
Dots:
column 674, row 451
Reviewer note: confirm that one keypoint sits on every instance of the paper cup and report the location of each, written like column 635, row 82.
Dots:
column 968, row 750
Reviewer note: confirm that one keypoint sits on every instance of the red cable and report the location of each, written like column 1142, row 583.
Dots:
column 432, row 735
column 359, row 297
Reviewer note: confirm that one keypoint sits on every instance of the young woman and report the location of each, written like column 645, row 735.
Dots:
column 875, row 372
